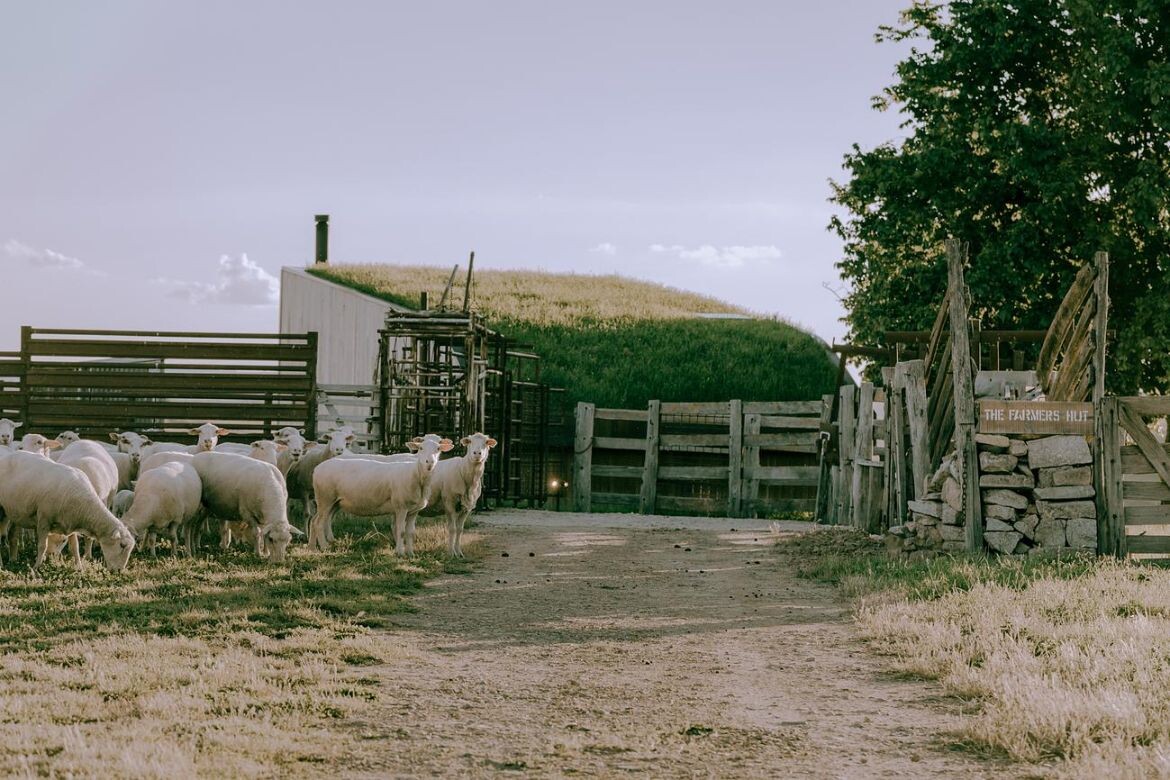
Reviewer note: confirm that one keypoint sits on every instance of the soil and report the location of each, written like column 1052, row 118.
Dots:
column 601, row 645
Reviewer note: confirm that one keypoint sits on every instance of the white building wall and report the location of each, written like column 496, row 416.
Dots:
column 346, row 321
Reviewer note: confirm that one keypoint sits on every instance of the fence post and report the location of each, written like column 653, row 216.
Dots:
column 964, row 390
column 862, row 456
column 735, row 460
column 824, row 441
column 845, row 453
column 311, row 422
column 914, row 386
column 583, row 459
column 751, row 465
column 649, row 495
column 1111, row 522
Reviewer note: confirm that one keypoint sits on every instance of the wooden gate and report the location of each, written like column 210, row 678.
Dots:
column 1135, row 478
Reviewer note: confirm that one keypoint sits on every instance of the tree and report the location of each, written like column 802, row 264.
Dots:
column 1038, row 131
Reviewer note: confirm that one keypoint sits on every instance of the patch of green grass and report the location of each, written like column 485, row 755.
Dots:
column 620, row 342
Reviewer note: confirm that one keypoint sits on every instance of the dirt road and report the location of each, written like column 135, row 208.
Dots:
column 578, row 648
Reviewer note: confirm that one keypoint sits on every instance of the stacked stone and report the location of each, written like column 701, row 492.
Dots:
column 1037, row 493
column 936, row 520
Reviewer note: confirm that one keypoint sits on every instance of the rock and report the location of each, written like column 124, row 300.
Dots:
column 1002, row 541
column 930, row 508
column 1005, row 498
column 911, row 528
column 992, row 442
column 925, row 520
column 954, row 547
column 953, row 468
column 909, row 543
column 899, row 531
column 1058, row 451
column 997, row 525
column 953, row 494
column 1066, row 475
column 951, row 516
column 1015, row 481
column 934, row 485
column 1018, row 448
column 991, row 463
column 1082, row 533
column 1062, row 510
column 1022, row 548
column 952, row 533
column 935, row 496
column 1027, row 525
column 1050, row 533
column 931, row 537
column 1066, row 492
column 893, row 545
column 1000, row 512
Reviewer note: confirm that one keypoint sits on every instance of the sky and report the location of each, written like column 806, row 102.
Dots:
column 161, row 161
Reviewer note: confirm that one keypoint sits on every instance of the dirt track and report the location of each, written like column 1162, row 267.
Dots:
column 598, row 651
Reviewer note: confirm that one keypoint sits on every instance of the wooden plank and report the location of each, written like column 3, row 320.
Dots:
column 151, row 383
column 1147, row 405
column 791, row 423
column 1146, row 491
column 57, row 409
column 167, row 349
column 618, row 472
column 1147, row 515
column 786, row 475
column 964, row 397
column 1062, row 323
column 798, row 408
column 632, row 415
column 615, row 501
column 862, row 451
column 1148, row 544
column 834, row 491
column 583, row 459
column 1044, row 417
column 1145, row 441
column 821, row 509
column 735, row 459
column 698, row 409
column 705, row 505
column 1077, row 358
column 769, row 506
column 893, row 456
column 687, row 473
column 1100, row 326
column 616, row 443
column 1134, row 462
column 751, row 460
column 684, row 440
column 914, row 387
column 777, row 441
column 649, row 493
column 846, row 442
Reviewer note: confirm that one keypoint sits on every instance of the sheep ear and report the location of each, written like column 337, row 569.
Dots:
column 52, row 444
column 17, row 425
column 281, row 447
column 113, row 436
column 446, row 446
column 146, row 441
column 292, row 529
column 465, row 441
column 350, row 438
column 412, row 446
column 492, row 442
column 194, row 431
column 222, row 432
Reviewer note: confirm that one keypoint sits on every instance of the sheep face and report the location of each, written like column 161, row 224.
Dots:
column 8, row 431
column 38, row 445
column 338, row 441
column 276, row 539
column 131, row 443
column 208, row 434
column 116, row 551
column 478, row 445
column 293, row 440
column 266, row 450
column 428, row 448
column 68, row 437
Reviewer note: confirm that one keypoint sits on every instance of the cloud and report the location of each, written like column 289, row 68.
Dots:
column 721, row 257
column 239, row 282
column 605, row 248
column 40, row 258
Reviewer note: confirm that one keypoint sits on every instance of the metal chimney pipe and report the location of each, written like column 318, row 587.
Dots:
column 322, row 238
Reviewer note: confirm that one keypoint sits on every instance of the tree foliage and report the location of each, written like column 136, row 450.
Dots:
column 1038, row 131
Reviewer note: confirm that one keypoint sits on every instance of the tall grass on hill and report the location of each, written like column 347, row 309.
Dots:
column 1067, row 663
column 619, row 342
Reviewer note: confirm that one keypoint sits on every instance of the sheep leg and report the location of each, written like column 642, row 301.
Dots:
column 42, row 545
column 75, row 549
column 175, row 539
column 225, row 536
column 399, row 530
column 13, row 535
column 89, row 548
column 463, row 515
column 321, row 517
column 451, row 535
column 411, row 519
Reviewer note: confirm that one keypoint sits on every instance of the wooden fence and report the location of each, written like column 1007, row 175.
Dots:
column 852, row 486
column 163, row 383
column 357, row 406
column 734, row 459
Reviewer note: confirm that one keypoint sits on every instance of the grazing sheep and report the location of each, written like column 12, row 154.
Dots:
column 51, row 498
column 96, row 464
column 299, row 476
column 8, row 433
column 235, row 486
column 127, row 468
column 368, row 488
column 167, row 499
column 456, row 485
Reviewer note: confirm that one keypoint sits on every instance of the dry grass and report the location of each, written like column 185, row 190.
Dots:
column 1067, row 665
column 222, row 666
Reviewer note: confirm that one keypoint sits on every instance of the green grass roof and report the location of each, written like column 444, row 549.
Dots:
column 619, row 342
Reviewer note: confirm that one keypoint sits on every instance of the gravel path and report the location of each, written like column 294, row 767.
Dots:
column 601, row 645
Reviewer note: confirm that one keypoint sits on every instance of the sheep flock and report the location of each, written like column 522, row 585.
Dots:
column 131, row 491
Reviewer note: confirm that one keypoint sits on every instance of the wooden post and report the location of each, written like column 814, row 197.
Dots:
column 964, row 389
column 751, row 463
column 735, row 461
column 1106, row 469
column 583, row 459
column 649, row 496
column 914, row 384
column 894, row 444
column 835, row 493
column 824, row 449
column 862, row 456
column 845, row 454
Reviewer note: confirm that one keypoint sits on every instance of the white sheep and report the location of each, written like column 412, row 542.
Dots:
column 294, row 443
column 97, row 464
column 68, row 437
column 38, row 444
column 207, row 437
column 456, row 486
column 235, row 486
column 139, row 447
column 266, row 450
column 127, row 467
column 236, row 449
column 167, row 499
column 8, row 433
column 123, row 500
column 368, row 488
column 51, row 498
column 299, row 476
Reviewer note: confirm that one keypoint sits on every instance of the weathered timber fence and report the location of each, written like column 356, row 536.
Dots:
column 734, row 459
column 853, row 485
column 163, row 383
column 357, row 406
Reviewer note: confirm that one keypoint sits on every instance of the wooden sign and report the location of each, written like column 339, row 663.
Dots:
column 1035, row 417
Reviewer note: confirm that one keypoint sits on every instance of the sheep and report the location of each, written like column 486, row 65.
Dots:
column 140, row 447
column 208, row 436
column 368, row 488
column 268, row 451
column 456, row 485
column 68, row 437
column 52, row 497
column 38, row 444
column 159, row 458
column 123, row 500
column 8, row 433
column 127, row 467
column 167, row 498
column 294, row 447
column 99, row 467
column 235, row 486
column 237, row 449
column 299, row 477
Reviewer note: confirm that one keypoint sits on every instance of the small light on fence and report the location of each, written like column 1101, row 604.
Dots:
column 554, row 484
